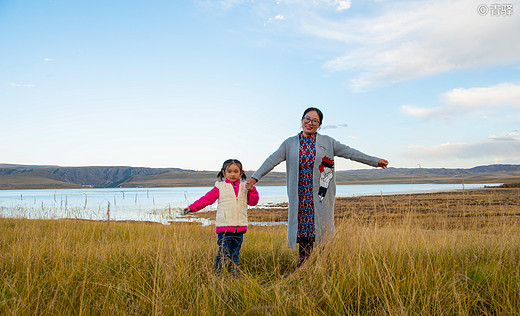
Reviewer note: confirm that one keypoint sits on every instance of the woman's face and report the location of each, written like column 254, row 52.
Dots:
column 310, row 123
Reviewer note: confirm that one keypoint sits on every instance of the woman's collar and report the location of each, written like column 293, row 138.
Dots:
column 313, row 134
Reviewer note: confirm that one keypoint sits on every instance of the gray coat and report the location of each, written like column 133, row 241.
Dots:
column 324, row 198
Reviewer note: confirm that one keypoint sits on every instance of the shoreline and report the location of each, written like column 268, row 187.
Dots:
column 379, row 206
column 457, row 203
column 510, row 181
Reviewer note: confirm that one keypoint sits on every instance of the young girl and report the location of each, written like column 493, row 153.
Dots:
column 231, row 221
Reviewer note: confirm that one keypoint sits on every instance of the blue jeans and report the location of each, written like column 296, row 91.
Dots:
column 229, row 245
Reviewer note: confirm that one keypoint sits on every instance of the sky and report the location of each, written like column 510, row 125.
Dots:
column 189, row 84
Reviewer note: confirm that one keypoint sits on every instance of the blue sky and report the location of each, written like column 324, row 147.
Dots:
column 189, row 84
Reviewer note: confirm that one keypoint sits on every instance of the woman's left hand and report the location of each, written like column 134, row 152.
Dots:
column 250, row 184
column 383, row 163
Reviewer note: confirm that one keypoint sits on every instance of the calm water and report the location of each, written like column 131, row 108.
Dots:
column 163, row 204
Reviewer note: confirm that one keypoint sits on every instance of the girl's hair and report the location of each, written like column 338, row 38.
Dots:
column 228, row 163
column 320, row 115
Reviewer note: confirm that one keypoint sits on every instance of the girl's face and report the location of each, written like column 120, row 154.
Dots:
column 233, row 172
column 310, row 123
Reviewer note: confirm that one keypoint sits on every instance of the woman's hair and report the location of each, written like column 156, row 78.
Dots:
column 228, row 163
column 320, row 115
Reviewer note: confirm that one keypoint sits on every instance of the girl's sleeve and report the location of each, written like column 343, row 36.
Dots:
column 206, row 200
column 272, row 161
column 345, row 151
column 252, row 197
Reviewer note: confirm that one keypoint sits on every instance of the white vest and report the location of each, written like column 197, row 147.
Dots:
column 231, row 209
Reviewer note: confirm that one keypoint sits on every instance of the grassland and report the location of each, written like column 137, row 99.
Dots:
column 426, row 254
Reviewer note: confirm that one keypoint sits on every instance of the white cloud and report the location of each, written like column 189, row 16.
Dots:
column 20, row 85
column 334, row 126
column 279, row 17
column 48, row 60
column 512, row 136
column 232, row 3
column 416, row 39
column 342, row 5
column 339, row 5
column 500, row 148
column 467, row 100
column 392, row 41
column 221, row 4
column 419, row 112
column 505, row 94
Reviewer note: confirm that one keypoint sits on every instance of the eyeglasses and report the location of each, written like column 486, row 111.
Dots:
column 307, row 119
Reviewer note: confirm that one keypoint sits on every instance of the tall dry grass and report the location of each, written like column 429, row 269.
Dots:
column 397, row 266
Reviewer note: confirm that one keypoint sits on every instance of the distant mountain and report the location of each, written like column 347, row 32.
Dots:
column 9, row 165
column 35, row 177
column 47, row 177
column 480, row 174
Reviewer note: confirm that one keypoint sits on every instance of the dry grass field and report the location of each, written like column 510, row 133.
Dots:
column 454, row 253
column 477, row 203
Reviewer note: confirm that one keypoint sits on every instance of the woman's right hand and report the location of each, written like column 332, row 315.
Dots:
column 383, row 163
column 186, row 210
column 250, row 184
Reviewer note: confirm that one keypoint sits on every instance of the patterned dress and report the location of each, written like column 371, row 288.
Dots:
column 305, row 196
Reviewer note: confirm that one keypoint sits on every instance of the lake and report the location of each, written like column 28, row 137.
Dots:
column 164, row 205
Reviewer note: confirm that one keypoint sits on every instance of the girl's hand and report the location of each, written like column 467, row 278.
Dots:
column 250, row 184
column 186, row 210
column 383, row 163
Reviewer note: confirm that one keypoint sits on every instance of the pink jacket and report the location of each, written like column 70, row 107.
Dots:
column 212, row 196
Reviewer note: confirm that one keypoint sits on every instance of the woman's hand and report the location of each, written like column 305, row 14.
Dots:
column 186, row 210
column 383, row 163
column 250, row 184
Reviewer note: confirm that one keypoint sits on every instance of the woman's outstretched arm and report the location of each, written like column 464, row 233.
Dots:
column 272, row 161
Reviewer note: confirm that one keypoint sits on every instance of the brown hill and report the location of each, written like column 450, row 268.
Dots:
column 50, row 177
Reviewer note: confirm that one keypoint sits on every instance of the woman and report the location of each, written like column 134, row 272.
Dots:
column 311, row 185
